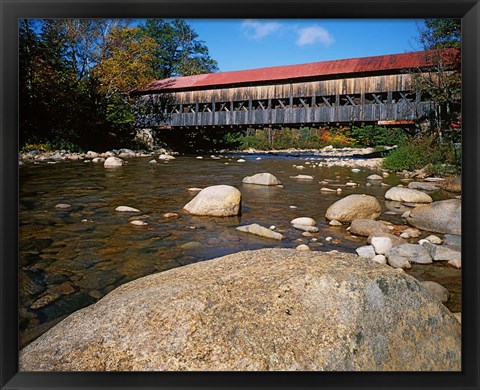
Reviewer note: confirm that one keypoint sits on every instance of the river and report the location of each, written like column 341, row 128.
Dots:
column 69, row 258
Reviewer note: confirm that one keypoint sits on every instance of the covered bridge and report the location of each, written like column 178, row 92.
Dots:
column 357, row 90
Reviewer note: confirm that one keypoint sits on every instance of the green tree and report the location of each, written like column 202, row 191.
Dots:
column 440, row 33
column 179, row 50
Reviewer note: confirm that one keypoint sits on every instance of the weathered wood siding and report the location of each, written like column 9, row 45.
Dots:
column 353, row 99
column 282, row 90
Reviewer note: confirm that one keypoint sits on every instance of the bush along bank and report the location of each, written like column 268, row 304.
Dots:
column 429, row 154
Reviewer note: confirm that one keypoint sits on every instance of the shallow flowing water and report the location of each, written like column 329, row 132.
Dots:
column 70, row 258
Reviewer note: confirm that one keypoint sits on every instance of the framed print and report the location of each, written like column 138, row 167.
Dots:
column 204, row 194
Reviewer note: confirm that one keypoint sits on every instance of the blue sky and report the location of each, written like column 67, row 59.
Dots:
column 247, row 44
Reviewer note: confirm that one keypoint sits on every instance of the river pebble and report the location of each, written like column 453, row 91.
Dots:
column 62, row 206
column 334, row 222
column 366, row 251
column 374, row 177
column 303, row 221
column 302, row 177
column 381, row 244
column 302, row 247
column 434, row 239
column 306, row 228
column 138, row 223
column 170, row 215
column 127, row 209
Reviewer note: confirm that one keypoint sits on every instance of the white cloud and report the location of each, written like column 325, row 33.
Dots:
column 255, row 29
column 314, row 34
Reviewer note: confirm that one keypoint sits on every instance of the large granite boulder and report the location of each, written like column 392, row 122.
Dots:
column 440, row 217
column 356, row 206
column 216, row 201
column 263, row 179
column 269, row 309
column 402, row 194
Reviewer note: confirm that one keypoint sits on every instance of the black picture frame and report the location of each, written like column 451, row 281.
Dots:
column 11, row 11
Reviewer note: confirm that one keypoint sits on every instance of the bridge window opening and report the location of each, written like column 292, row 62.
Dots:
column 280, row 104
column 376, row 98
column 240, row 106
column 325, row 101
column 403, row 97
column 225, row 106
column 205, row 107
column 350, row 100
column 259, row 105
column 301, row 102
column 173, row 109
column 189, row 108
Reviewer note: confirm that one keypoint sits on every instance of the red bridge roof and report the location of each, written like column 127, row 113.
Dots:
column 391, row 62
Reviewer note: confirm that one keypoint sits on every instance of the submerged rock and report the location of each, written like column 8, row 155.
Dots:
column 420, row 185
column 302, row 311
column 216, row 201
column 437, row 290
column 375, row 177
column 258, row 230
